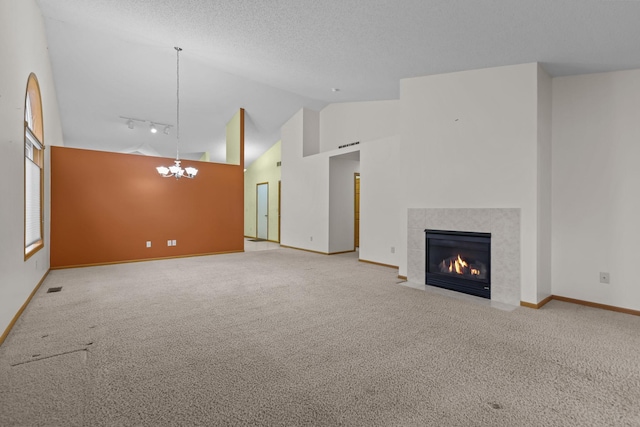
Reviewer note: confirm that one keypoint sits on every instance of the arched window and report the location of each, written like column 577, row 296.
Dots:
column 33, row 168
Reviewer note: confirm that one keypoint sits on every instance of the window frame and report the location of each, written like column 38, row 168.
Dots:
column 33, row 152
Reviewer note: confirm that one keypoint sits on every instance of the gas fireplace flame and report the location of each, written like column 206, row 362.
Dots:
column 457, row 265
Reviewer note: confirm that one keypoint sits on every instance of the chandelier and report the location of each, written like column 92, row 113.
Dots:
column 176, row 170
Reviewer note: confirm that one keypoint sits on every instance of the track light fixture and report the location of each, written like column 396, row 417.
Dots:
column 131, row 121
column 153, row 126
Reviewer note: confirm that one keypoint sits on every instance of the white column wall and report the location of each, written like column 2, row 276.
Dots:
column 469, row 140
column 596, row 149
column 305, row 187
column 375, row 125
column 306, row 178
column 544, row 185
column 380, row 210
column 23, row 50
column 310, row 133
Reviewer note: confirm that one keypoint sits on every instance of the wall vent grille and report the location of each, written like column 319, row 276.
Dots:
column 349, row 145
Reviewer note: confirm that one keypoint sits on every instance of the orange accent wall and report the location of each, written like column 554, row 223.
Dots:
column 106, row 206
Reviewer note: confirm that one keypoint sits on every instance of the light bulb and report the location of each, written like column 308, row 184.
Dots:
column 153, row 128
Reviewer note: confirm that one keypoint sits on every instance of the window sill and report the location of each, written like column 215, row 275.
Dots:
column 31, row 250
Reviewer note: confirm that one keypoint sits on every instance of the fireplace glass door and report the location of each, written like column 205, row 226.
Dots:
column 459, row 261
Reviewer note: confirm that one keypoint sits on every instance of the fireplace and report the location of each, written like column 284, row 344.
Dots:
column 459, row 261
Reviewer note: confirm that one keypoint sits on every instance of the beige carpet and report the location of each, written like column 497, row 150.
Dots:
column 286, row 337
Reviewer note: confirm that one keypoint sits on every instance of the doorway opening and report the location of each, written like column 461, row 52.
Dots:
column 262, row 211
column 356, row 214
column 342, row 169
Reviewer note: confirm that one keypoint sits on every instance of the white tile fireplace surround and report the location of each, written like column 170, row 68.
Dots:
column 504, row 226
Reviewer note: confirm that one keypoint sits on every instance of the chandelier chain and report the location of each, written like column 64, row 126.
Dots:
column 176, row 170
column 178, row 102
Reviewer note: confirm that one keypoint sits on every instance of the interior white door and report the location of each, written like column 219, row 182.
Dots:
column 262, row 211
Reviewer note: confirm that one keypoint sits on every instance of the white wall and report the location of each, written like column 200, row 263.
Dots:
column 306, row 197
column 380, row 210
column 305, row 187
column 264, row 169
column 342, row 169
column 564, row 151
column 469, row 140
column 544, row 185
column 596, row 177
column 23, row 49
column 311, row 133
column 350, row 122
column 233, row 139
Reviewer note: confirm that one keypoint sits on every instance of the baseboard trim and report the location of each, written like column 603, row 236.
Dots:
column 306, row 250
column 597, row 305
column 538, row 305
column 64, row 267
column 24, row 306
column 580, row 302
column 402, row 277
column 316, row 252
column 342, row 252
column 378, row 263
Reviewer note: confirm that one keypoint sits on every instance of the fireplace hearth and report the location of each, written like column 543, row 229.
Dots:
column 459, row 261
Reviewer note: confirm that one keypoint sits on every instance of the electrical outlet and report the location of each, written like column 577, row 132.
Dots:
column 148, row 243
column 173, row 243
column 604, row 277
column 393, row 249
column 168, row 242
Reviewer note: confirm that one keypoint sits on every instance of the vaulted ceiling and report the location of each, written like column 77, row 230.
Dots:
column 116, row 58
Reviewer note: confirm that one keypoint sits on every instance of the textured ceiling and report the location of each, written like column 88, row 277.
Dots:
column 115, row 58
